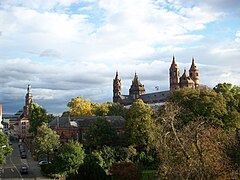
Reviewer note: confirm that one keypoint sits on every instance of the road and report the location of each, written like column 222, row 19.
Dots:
column 11, row 169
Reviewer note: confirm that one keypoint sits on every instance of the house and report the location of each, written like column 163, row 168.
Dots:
column 75, row 128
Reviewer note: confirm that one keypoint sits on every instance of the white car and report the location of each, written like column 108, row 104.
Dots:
column 44, row 162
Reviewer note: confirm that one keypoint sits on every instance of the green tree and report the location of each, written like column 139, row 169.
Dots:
column 101, row 133
column 205, row 103
column 116, row 109
column 80, row 107
column 90, row 170
column 69, row 157
column 38, row 116
column 231, row 94
column 139, row 124
column 5, row 149
column 102, row 109
column 46, row 141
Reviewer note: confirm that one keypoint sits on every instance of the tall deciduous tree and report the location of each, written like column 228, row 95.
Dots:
column 38, row 116
column 139, row 124
column 5, row 149
column 69, row 157
column 102, row 109
column 101, row 133
column 194, row 151
column 46, row 141
column 205, row 103
column 80, row 107
column 116, row 109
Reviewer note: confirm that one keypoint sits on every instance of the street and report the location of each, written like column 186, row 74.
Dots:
column 11, row 169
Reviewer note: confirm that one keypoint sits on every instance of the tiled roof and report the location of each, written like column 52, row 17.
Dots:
column 85, row 121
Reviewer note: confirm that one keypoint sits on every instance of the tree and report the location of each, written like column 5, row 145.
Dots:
column 5, row 149
column 205, row 103
column 80, row 107
column 116, row 109
column 101, row 109
column 231, row 94
column 125, row 170
column 69, row 157
column 196, row 150
column 139, row 124
column 101, row 133
column 90, row 170
column 46, row 141
column 38, row 116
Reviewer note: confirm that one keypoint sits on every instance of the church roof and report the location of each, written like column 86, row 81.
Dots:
column 193, row 66
column 156, row 96
column 136, row 84
column 174, row 64
column 185, row 78
column 85, row 121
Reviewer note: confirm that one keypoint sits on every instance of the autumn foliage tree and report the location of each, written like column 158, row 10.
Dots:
column 196, row 150
column 80, row 107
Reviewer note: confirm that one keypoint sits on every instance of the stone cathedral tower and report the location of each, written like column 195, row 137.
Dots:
column 137, row 88
column 174, row 75
column 190, row 81
column 117, row 88
column 28, row 101
column 194, row 74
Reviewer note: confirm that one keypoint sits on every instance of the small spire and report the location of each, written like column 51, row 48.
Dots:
column 193, row 65
column 29, row 89
column 116, row 77
column 173, row 61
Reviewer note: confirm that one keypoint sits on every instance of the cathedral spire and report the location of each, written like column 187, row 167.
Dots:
column 194, row 74
column 174, row 76
column 117, row 88
column 28, row 101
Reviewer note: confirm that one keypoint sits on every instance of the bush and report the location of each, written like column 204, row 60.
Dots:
column 125, row 171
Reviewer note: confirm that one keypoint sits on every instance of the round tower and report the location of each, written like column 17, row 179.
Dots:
column 194, row 74
column 174, row 76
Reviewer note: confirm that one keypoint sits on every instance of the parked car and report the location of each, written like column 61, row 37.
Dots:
column 24, row 170
column 23, row 155
column 44, row 162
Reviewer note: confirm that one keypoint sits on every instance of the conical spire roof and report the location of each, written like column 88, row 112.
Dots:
column 193, row 66
column 174, row 64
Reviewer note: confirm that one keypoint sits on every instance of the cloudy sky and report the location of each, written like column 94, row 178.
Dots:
column 69, row 48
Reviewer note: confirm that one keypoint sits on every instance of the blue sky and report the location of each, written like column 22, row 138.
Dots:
column 69, row 48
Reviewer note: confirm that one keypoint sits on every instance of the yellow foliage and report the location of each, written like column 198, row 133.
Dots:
column 80, row 107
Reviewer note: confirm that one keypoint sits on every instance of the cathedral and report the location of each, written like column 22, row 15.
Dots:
column 137, row 90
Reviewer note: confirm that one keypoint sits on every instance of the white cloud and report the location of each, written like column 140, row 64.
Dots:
column 65, row 51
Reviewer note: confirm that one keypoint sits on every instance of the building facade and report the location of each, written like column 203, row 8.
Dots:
column 137, row 89
column 75, row 128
